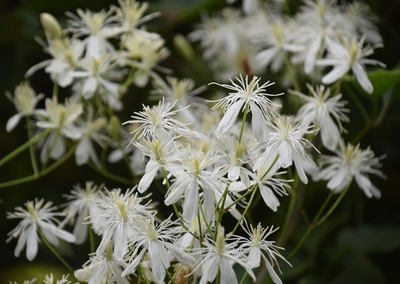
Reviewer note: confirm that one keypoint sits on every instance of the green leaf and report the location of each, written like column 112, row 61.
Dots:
column 370, row 239
column 359, row 270
column 382, row 80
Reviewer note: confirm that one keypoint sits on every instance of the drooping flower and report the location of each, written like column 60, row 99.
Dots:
column 259, row 247
column 350, row 162
column 119, row 215
column 157, row 241
column 157, row 122
column 97, row 28
column 192, row 174
column 246, row 95
column 351, row 55
column 36, row 216
column 220, row 256
column 25, row 101
column 103, row 268
column 92, row 129
column 319, row 110
column 285, row 146
column 82, row 204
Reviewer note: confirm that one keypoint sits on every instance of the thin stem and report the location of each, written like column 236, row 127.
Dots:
column 171, row 279
column 320, row 221
column 255, row 187
column 24, row 146
column 42, row 173
column 31, row 149
column 110, row 175
column 54, row 251
column 246, row 110
column 48, row 155
column 282, row 236
column 290, row 71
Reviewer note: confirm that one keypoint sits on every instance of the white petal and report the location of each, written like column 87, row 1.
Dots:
column 148, row 177
column 228, row 275
column 336, row 73
column 272, row 272
column 285, row 154
column 89, row 87
column 191, row 205
column 269, row 197
column 13, row 121
column 229, row 118
column 362, row 78
column 364, row 183
column 157, row 266
column 259, row 124
column 31, row 243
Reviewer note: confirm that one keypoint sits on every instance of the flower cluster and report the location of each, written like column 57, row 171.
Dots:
column 207, row 157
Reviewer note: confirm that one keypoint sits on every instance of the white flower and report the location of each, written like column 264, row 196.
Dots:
column 157, row 241
column 351, row 55
column 104, row 268
column 99, row 74
column 162, row 153
column 237, row 157
column 362, row 20
column 350, row 161
column 130, row 15
column 181, row 93
column 49, row 279
column 66, row 54
column 25, row 101
column 61, row 119
column 319, row 110
column 157, row 123
column 82, row 204
column 246, row 95
column 143, row 52
column 119, row 214
column 191, row 175
column 287, row 145
column 92, row 130
column 97, row 27
column 276, row 39
column 259, row 247
column 36, row 217
column 269, row 185
column 220, row 256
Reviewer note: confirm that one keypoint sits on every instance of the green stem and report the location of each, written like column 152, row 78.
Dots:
column 111, row 175
column 54, row 251
column 290, row 71
column 255, row 187
column 171, row 279
column 282, row 236
column 320, row 221
column 243, row 123
column 23, row 147
column 31, row 149
column 47, row 159
column 40, row 174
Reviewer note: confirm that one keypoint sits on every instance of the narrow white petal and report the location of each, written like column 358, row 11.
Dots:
column 191, row 205
column 31, row 243
column 229, row 119
column 335, row 74
column 13, row 121
column 228, row 275
column 285, row 154
column 362, row 77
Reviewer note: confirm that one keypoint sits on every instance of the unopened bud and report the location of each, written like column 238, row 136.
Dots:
column 114, row 127
column 51, row 26
column 183, row 46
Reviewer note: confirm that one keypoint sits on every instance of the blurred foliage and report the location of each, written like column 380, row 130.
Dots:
column 358, row 245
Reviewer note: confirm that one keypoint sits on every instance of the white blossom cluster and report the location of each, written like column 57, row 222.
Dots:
column 208, row 157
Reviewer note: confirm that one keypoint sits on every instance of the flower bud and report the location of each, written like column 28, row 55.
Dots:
column 114, row 127
column 51, row 26
column 183, row 46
